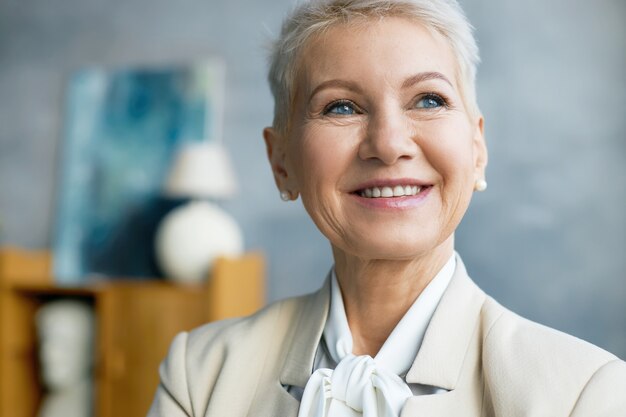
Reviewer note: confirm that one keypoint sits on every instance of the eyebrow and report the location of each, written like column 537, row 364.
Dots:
column 337, row 83
column 424, row 76
column 409, row 82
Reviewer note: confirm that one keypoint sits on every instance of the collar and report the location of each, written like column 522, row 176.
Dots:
column 399, row 350
column 440, row 358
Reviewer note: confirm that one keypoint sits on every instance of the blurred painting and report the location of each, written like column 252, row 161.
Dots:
column 122, row 129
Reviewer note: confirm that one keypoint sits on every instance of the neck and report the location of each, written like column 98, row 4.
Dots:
column 377, row 293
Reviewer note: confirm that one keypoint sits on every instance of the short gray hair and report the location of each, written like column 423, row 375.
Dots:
column 313, row 17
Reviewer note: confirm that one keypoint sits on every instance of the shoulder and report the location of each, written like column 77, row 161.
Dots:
column 226, row 350
column 213, row 341
column 510, row 336
column 241, row 334
column 542, row 367
column 230, row 333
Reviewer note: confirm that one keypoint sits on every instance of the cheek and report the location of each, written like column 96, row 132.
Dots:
column 449, row 149
column 320, row 159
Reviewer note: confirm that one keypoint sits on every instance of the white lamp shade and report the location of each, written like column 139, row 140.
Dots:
column 201, row 170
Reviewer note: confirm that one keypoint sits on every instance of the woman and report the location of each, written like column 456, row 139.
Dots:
column 377, row 130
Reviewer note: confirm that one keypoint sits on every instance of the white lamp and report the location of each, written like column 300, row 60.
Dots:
column 200, row 170
column 190, row 237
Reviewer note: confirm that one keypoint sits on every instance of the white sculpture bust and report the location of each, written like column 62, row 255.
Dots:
column 66, row 332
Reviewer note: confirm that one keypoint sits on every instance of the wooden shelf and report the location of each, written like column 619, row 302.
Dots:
column 136, row 321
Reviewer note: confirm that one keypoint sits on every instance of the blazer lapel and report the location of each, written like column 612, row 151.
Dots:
column 450, row 355
column 275, row 402
column 295, row 361
column 304, row 338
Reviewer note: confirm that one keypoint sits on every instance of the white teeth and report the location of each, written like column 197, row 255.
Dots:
column 387, row 192
column 398, row 191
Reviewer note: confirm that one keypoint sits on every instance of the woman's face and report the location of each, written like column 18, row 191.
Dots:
column 381, row 147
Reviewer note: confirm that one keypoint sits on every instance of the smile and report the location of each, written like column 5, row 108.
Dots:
column 389, row 192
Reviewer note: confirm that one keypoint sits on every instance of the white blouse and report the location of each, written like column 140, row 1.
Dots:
column 345, row 385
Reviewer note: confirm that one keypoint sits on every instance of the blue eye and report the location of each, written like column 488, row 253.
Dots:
column 341, row 108
column 430, row 101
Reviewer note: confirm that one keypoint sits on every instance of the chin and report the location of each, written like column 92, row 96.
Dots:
column 404, row 247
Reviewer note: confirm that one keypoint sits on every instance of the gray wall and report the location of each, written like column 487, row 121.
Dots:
column 548, row 239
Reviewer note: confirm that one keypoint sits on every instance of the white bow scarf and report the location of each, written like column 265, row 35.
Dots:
column 362, row 385
column 357, row 387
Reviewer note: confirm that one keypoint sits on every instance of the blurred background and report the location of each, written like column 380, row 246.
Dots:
column 548, row 238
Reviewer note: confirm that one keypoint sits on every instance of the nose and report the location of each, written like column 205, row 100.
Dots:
column 388, row 138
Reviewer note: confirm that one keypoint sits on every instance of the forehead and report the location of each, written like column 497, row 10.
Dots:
column 375, row 50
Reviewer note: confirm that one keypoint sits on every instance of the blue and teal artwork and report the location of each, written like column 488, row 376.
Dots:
column 122, row 130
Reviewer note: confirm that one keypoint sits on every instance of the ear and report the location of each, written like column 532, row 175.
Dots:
column 277, row 155
column 480, row 148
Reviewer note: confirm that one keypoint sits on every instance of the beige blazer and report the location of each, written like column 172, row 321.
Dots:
column 492, row 362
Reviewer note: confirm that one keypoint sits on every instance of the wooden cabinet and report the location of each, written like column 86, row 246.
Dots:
column 136, row 321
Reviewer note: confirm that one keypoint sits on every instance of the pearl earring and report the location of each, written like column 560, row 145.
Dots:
column 480, row 185
column 285, row 195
